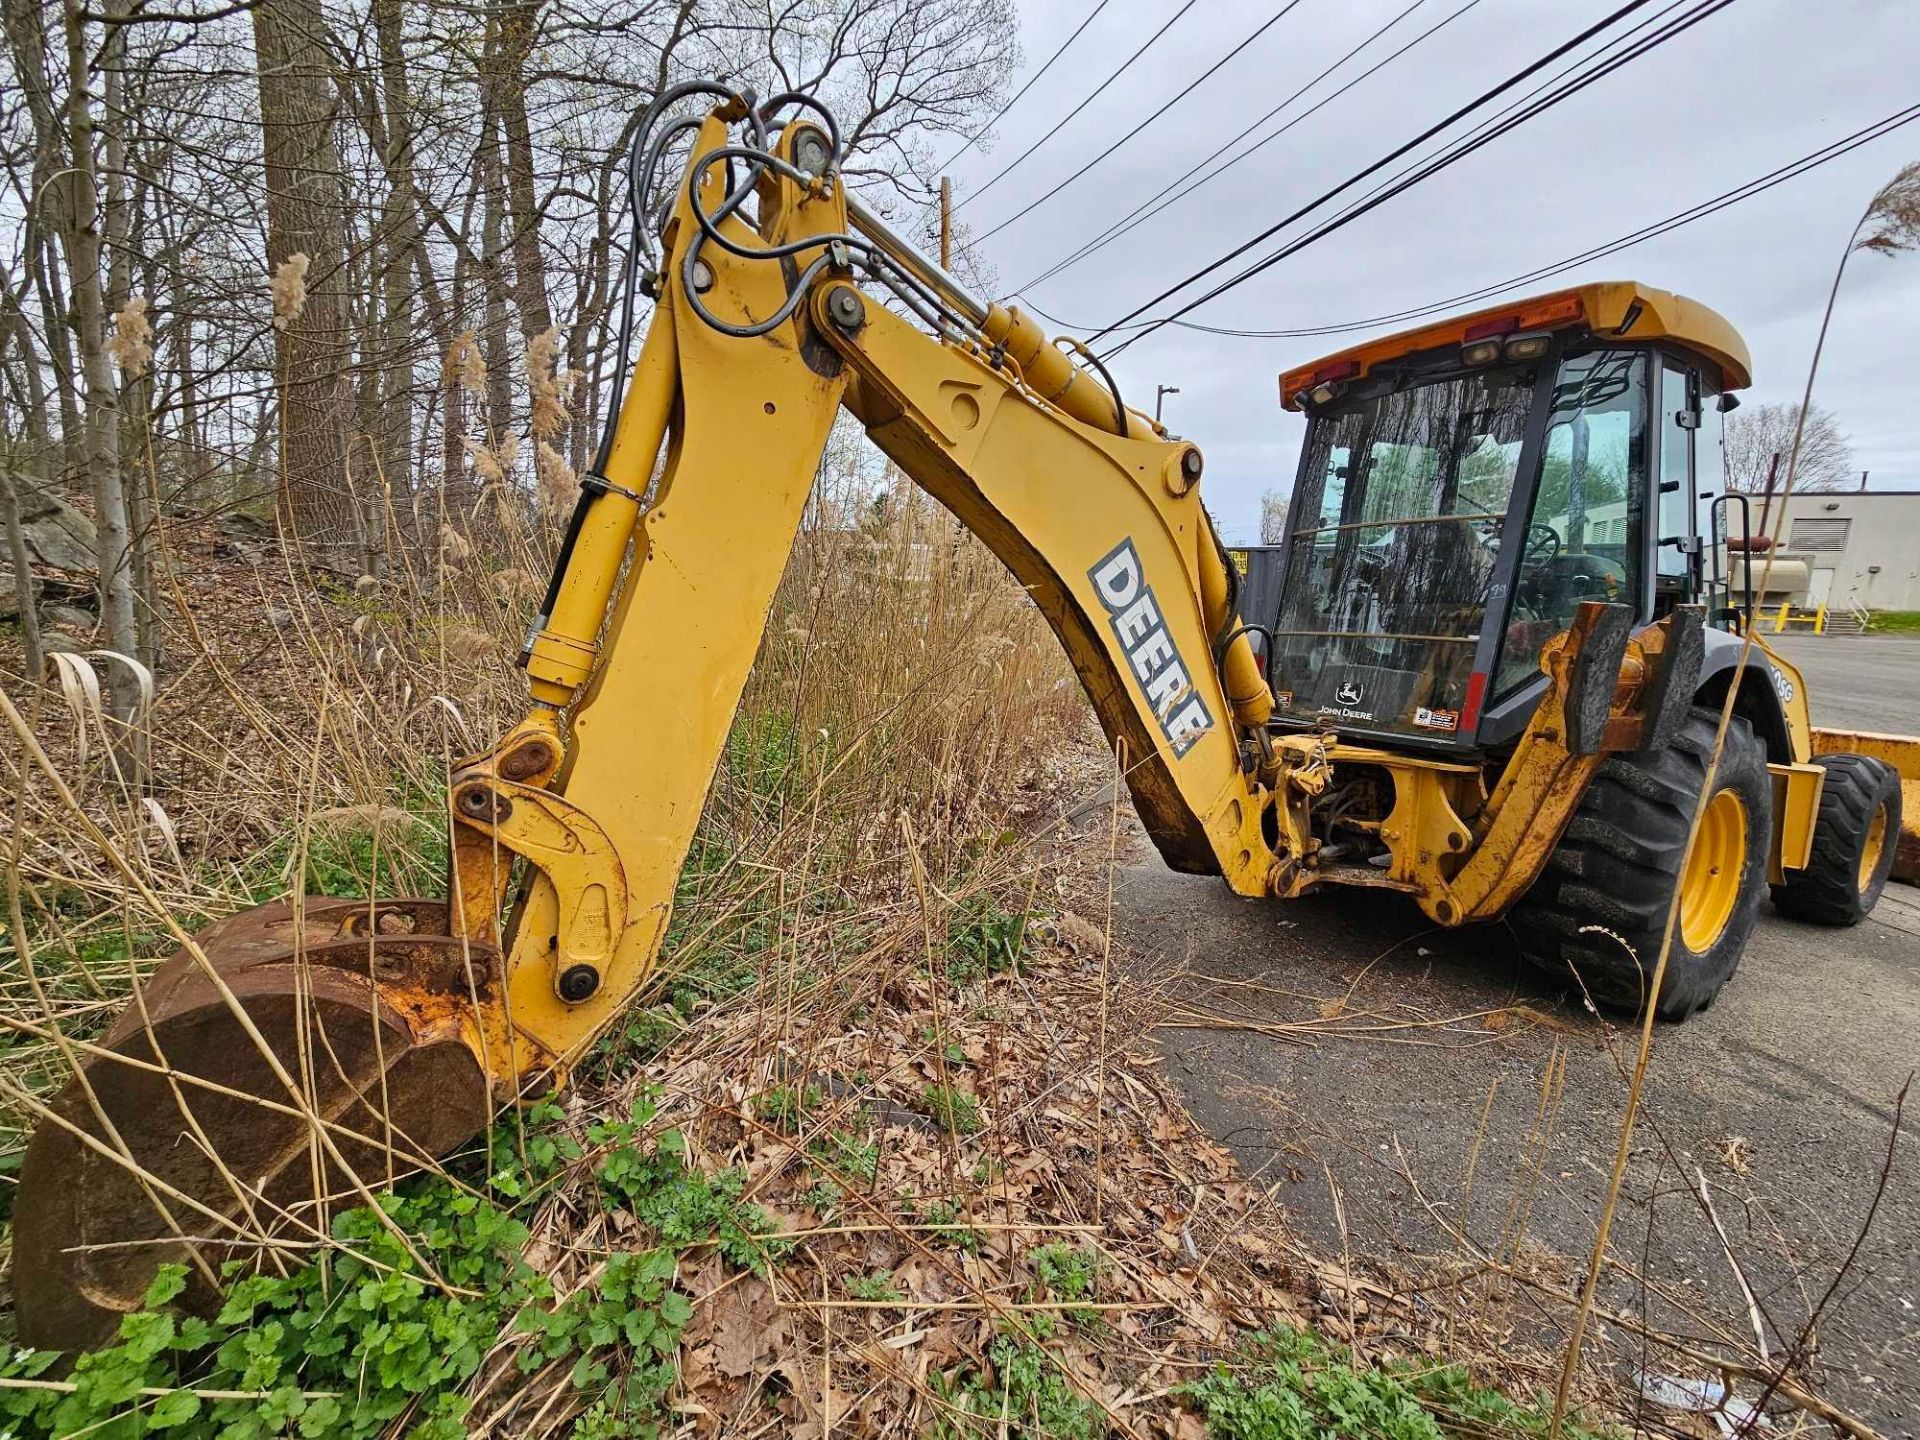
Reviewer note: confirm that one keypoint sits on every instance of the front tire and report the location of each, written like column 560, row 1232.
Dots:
column 1854, row 838
column 1615, row 871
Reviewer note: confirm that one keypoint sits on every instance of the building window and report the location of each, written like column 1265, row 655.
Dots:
column 1818, row 533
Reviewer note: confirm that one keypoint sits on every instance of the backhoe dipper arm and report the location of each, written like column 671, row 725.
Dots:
column 759, row 334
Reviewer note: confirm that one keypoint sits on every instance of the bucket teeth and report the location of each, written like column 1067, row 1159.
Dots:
column 189, row 1147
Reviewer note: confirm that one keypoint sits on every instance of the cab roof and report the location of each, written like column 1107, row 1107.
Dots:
column 1623, row 309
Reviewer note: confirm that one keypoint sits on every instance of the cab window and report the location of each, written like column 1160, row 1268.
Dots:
column 1679, row 420
column 1585, row 533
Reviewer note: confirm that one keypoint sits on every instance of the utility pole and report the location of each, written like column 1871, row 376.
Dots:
column 1863, row 480
column 1766, row 500
column 946, row 223
column 1160, row 392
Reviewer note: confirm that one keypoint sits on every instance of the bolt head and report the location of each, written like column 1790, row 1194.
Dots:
column 526, row 760
column 810, row 153
column 578, row 983
column 845, row 307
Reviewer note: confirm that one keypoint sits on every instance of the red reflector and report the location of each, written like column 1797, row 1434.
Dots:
column 1339, row 370
column 1505, row 325
column 1476, row 692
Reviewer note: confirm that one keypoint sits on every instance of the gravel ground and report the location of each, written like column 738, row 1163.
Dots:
column 1782, row 1094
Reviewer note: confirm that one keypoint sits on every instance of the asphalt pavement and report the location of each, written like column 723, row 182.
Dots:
column 1350, row 1050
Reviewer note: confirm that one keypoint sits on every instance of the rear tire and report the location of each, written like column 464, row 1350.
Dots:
column 1854, row 839
column 1620, row 860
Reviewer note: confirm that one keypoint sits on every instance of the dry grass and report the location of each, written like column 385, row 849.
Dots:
column 886, row 1002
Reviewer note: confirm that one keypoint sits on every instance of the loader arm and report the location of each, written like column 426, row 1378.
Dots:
column 663, row 588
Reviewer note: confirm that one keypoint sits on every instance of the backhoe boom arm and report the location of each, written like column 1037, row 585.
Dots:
column 663, row 589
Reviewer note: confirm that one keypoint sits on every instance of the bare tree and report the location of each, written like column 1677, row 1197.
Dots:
column 305, row 217
column 427, row 189
column 1273, row 518
column 1756, row 435
column 80, row 231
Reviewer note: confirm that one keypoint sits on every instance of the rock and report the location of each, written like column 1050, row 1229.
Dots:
column 238, row 525
column 241, row 536
column 53, row 642
column 70, row 617
column 278, row 616
column 57, row 534
column 10, row 594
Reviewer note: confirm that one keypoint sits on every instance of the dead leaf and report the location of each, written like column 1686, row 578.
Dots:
column 747, row 1327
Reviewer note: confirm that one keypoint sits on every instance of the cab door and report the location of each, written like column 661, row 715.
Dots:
column 1678, row 550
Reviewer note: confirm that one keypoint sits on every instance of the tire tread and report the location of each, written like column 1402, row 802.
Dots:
column 1827, row 891
column 1618, row 862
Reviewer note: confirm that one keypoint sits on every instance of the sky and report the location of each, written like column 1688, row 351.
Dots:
column 1751, row 87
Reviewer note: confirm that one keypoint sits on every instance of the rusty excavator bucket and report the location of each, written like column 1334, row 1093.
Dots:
column 304, row 1056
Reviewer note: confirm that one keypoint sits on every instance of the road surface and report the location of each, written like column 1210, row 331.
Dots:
column 1782, row 1094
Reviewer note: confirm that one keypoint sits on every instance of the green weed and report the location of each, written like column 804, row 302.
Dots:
column 945, row 1217
column 786, row 1107
column 984, row 940
column 351, row 860
column 954, row 1111
column 848, row 1156
column 1023, row 1396
column 1068, row 1272
column 953, row 1053
column 872, row 1287
column 361, row 1341
column 1293, row 1385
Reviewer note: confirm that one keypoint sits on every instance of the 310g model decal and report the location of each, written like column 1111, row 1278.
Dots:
column 1156, row 662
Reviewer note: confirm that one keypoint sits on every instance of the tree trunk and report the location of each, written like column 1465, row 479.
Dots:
column 18, row 558
column 306, row 216
column 24, row 466
column 101, row 443
column 518, row 20
column 136, row 477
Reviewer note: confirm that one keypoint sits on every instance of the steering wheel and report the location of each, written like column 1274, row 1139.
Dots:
column 1542, row 545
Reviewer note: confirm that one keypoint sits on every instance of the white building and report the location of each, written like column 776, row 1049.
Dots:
column 1854, row 550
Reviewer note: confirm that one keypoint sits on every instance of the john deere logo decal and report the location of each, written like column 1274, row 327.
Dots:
column 1162, row 675
column 1348, row 693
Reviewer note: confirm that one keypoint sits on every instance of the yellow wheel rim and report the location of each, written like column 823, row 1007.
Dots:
column 1871, row 852
column 1711, row 887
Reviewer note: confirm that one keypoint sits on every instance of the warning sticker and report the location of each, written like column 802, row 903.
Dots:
column 1448, row 720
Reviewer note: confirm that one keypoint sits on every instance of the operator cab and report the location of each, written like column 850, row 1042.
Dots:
column 1465, row 487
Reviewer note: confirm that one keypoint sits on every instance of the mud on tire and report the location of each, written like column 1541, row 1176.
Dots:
column 1618, row 863
column 1855, row 835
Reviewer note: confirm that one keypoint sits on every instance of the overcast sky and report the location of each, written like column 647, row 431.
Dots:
column 1758, row 84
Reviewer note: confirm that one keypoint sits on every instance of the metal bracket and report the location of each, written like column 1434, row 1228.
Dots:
column 567, row 845
column 502, row 809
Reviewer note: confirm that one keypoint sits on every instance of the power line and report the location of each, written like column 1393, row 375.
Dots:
column 994, row 119
column 1592, row 61
column 1466, row 146
column 1147, row 208
column 1460, row 151
column 1793, row 170
column 1653, row 230
column 1381, row 163
column 1589, row 60
column 1021, row 158
column 1184, row 92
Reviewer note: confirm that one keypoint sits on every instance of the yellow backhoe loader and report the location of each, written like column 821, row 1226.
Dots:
column 1488, row 679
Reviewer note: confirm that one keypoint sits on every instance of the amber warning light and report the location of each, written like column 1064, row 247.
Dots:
column 1519, row 334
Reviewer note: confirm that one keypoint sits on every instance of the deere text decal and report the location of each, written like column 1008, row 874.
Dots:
column 1162, row 674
